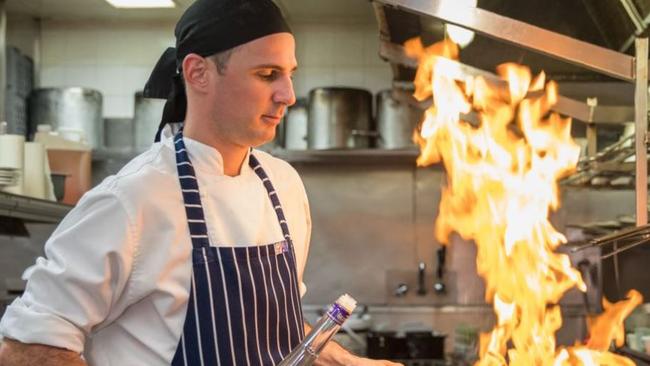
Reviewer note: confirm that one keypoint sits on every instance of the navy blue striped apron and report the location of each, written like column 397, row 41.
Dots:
column 244, row 306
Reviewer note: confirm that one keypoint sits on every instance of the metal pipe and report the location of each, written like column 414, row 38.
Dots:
column 634, row 15
column 628, row 43
column 641, row 130
column 633, row 233
column 524, row 35
column 618, row 250
column 639, row 22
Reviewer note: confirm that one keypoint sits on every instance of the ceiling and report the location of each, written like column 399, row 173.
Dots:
column 88, row 10
column 295, row 10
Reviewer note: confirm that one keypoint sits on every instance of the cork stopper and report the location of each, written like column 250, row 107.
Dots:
column 347, row 302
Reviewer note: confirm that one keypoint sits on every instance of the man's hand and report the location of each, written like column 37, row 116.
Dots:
column 335, row 355
column 14, row 353
column 360, row 361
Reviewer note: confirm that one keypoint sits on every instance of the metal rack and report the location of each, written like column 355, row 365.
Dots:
column 349, row 156
column 558, row 46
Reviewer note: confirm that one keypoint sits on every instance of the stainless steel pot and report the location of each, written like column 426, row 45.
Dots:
column 76, row 109
column 146, row 119
column 340, row 118
column 396, row 121
column 118, row 134
column 295, row 128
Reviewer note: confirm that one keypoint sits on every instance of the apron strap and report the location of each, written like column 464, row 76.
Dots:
column 191, row 195
column 273, row 196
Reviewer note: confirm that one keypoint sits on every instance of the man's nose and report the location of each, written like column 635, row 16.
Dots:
column 284, row 94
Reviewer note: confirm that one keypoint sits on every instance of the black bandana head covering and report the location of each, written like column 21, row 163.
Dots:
column 206, row 28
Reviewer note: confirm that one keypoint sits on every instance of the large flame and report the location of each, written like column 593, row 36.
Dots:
column 501, row 184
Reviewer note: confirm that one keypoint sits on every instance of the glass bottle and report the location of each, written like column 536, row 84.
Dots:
column 308, row 350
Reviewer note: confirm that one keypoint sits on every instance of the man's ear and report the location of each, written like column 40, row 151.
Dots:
column 195, row 72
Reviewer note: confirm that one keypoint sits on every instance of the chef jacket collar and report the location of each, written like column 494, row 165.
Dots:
column 204, row 158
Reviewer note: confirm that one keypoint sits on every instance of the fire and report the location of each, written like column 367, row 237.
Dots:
column 609, row 325
column 502, row 171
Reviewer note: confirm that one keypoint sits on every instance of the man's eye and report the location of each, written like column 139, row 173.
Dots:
column 269, row 75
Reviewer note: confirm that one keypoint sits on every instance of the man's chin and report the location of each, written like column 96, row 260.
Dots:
column 264, row 140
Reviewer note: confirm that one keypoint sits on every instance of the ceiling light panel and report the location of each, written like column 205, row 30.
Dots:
column 141, row 4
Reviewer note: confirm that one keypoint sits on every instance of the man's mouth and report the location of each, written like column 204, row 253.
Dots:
column 273, row 119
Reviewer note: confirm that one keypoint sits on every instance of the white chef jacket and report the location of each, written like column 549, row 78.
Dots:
column 115, row 283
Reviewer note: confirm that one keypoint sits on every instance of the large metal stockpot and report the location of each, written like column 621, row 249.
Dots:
column 396, row 121
column 118, row 135
column 146, row 119
column 340, row 118
column 71, row 109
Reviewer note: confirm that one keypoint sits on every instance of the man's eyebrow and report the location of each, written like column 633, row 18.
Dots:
column 274, row 67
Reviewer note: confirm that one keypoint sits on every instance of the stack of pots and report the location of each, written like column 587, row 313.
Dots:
column 146, row 119
column 341, row 118
column 396, row 121
column 72, row 110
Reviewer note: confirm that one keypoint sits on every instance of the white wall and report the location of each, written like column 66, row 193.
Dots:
column 116, row 59
column 339, row 55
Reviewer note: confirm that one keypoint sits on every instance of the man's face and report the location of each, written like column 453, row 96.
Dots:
column 253, row 92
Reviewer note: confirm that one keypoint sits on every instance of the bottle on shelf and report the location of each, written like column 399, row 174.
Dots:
column 305, row 353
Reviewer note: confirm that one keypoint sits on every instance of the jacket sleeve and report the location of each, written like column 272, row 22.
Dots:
column 87, row 263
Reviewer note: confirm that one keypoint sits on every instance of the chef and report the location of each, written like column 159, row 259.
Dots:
column 194, row 252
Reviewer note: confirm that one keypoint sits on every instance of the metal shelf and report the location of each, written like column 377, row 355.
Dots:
column 31, row 209
column 348, row 156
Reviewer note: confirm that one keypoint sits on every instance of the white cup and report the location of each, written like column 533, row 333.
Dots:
column 72, row 134
column 646, row 343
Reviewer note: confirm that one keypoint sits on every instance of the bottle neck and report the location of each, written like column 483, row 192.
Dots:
column 326, row 327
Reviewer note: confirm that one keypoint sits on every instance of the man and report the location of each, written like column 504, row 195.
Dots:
column 193, row 253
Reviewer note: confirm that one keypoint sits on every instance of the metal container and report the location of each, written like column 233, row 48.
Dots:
column 146, row 120
column 340, row 118
column 58, row 184
column 425, row 345
column 386, row 345
column 396, row 121
column 15, row 113
column 295, row 128
column 20, row 73
column 118, row 134
column 71, row 109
